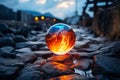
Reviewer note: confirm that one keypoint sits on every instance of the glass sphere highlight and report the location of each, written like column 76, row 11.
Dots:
column 60, row 38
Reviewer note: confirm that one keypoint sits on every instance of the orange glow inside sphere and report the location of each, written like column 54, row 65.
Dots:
column 60, row 38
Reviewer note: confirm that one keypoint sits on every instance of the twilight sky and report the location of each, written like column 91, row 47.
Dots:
column 59, row 8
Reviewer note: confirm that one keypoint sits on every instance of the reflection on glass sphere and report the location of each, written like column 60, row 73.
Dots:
column 60, row 38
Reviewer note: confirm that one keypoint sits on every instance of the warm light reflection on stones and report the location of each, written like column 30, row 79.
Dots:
column 66, row 59
column 60, row 38
column 69, row 77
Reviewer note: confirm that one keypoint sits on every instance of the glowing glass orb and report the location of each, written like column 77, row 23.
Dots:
column 60, row 38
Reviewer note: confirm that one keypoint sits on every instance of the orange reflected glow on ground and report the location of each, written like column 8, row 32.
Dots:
column 61, row 42
column 65, row 77
column 68, row 77
column 66, row 59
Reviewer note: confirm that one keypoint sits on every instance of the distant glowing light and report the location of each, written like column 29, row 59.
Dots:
column 54, row 20
column 60, row 38
column 42, row 17
column 36, row 18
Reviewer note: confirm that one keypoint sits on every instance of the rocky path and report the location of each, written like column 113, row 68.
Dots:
column 25, row 56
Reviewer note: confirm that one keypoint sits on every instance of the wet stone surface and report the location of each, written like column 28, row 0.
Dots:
column 56, row 69
column 71, row 77
column 25, row 56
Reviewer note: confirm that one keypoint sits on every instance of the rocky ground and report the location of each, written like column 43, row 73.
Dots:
column 25, row 56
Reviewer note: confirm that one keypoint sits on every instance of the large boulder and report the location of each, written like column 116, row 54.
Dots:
column 109, row 65
column 107, row 62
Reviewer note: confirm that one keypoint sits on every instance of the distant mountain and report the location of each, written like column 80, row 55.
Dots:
column 49, row 15
column 34, row 13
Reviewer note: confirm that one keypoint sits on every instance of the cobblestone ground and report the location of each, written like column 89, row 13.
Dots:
column 28, row 58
